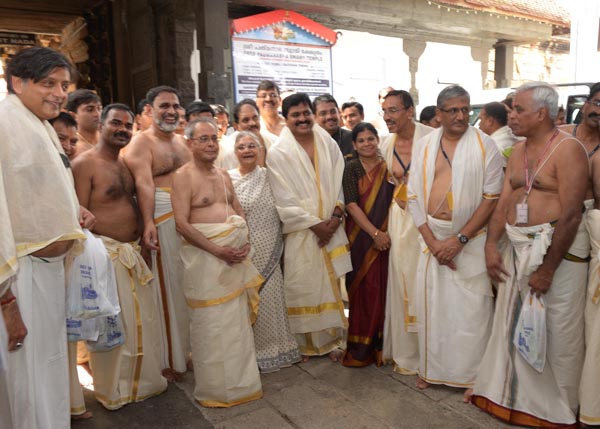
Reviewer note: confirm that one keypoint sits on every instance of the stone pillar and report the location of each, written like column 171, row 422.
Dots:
column 503, row 73
column 212, row 26
column 414, row 49
column 481, row 54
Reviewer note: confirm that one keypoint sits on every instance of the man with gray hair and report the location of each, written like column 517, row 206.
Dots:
column 455, row 182
column 540, row 210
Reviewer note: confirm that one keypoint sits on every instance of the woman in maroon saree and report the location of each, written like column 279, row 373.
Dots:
column 368, row 194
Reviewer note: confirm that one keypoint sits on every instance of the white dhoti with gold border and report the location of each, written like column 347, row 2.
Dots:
column 224, row 301
column 131, row 372
column 168, row 275
column 507, row 386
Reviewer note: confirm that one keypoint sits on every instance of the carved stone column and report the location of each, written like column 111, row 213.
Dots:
column 414, row 49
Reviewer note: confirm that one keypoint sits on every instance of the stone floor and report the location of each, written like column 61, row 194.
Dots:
column 316, row 394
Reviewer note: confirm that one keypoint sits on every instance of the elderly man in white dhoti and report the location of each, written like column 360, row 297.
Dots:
column 540, row 210
column 220, row 282
column 400, row 339
column 152, row 157
column 132, row 371
column 40, row 219
column 454, row 184
column 305, row 170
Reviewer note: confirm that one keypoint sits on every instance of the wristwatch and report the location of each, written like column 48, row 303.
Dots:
column 339, row 216
column 463, row 239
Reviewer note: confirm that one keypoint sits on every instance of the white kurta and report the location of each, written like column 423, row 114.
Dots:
column 168, row 274
column 454, row 308
column 400, row 340
column 305, row 195
column 507, row 386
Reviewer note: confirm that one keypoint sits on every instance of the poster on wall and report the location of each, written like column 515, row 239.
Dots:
column 282, row 46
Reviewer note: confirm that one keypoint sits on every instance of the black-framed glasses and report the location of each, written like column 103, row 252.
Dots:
column 453, row 111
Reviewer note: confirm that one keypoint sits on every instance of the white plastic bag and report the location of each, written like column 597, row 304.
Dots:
column 530, row 335
column 112, row 334
column 91, row 284
column 82, row 329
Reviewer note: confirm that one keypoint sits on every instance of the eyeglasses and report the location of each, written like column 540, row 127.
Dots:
column 269, row 95
column 391, row 111
column 595, row 103
column 250, row 146
column 454, row 110
column 206, row 139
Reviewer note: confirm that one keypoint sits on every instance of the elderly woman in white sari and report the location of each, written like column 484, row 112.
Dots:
column 275, row 345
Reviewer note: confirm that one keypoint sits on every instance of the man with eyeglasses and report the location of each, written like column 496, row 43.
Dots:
column 220, row 282
column 305, row 172
column 540, row 212
column 455, row 182
column 245, row 118
column 153, row 156
column 400, row 342
column 268, row 100
column 327, row 114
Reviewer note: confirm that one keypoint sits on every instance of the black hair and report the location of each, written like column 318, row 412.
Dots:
column 356, row 104
column 198, row 107
column 115, row 106
column 325, row 98
column 35, row 63
column 64, row 118
column 153, row 92
column 363, row 126
column 238, row 107
column 295, row 100
column 407, row 100
column 427, row 114
column 497, row 111
column 79, row 97
column 140, row 106
column 267, row 85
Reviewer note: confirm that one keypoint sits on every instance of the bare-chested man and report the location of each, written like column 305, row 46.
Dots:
column 153, row 156
column 400, row 342
column 268, row 99
column 540, row 210
column 131, row 372
column 85, row 105
column 455, row 181
column 220, row 282
column 588, row 131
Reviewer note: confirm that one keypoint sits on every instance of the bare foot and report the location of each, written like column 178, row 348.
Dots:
column 305, row 358
column 422, row 384
column 171, row 375
column 336, row 355
column 83, row 416
column 467, row 396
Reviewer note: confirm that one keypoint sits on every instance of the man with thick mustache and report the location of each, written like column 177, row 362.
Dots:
column 305, row 171
column 454, row 184
column 104, row 185
column 400, row 342
column 153, row 156
column 328, row 117
column 268, row 98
